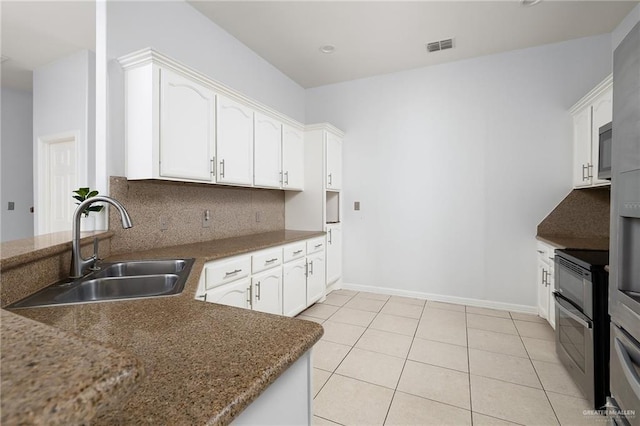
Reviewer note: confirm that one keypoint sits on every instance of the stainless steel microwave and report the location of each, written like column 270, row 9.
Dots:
column 604, row 152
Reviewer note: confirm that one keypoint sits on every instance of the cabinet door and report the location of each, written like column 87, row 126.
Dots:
column 186, row 128
column 294, row 287
column 334, row 162
column 552, row 302
column 267, row 292
column 234, row 142
column 334, row 253
column 543, row 290
column 292, row 158
column 602, row 113
column 316, row 277
column 267, row 152
column 237, row 293
column 582, row 148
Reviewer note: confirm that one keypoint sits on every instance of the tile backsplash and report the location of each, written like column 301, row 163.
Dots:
column 166, row 213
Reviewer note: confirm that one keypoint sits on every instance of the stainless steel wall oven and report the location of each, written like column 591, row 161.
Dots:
column 582, row 321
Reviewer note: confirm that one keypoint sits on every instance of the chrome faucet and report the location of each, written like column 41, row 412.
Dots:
column 78, row 264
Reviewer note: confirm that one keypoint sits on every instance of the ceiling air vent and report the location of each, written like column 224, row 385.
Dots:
column 434, row 46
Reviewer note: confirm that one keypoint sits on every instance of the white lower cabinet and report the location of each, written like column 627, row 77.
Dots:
column 266, row 291
column 316, row 277
column 334, row 253
column 294, row 287
column 236, row 294
column 545, row 283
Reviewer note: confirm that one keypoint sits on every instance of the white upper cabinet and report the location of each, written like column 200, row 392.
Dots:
column 234, row 142
column 590, row 113
column 334, row 162
column 187, row 128
column 292, row 158
column 267, row 170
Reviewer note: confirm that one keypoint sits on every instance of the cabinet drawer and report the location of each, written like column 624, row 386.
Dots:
column 266, row 259
column 315, row 245
column 546, row 253
column 226, row 271
column 295, row 251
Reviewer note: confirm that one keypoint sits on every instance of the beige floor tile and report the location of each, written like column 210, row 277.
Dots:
column 541, row 350
column 336, row 299
column 436, row 383
column 484, row 322
column 402, row 310
column 535, row 330
column 344, row 292
column 438, row 316
column 338, row 332
column 349, row 401
column 362, row 304
column 570, row 410
column 320, row 377
column 442, row 331
column 320, row 311
column 395, row 324
column 503, row 367
column 412, row 410
column 487, row 311
column 407, row 300
column 354, row 317
column 320, row 421
column 496, row 342
column 440, row 354
column 306, row 318
column 328, row 355
column 372, row 367
column 527, row 317
column 508, row 401
column 555, row 378
column 445, row 306
column 385, row 342
column 482, row 420
column 374, row 296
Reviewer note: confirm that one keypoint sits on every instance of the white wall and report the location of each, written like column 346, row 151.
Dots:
column 455, row 165
column 627, row 24
column 64, row 101
column 176, row 29
column 17, row 166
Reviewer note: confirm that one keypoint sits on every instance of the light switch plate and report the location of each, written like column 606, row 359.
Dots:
column 11, row 206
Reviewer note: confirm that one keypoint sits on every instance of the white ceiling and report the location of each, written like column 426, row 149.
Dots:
column 379, row 37
column 35, row 33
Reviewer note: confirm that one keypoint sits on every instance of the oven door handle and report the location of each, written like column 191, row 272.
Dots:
column 627, row 364
column 572, row 312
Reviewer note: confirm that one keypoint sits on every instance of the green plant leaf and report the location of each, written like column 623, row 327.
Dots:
column 79, row 198
column 92, row 194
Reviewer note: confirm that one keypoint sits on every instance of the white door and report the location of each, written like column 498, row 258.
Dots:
column 292, row 158
column 186, row 128
column 543, row 290
column 334, row 253
column 267, row 170
column 267, row 291
column 582, row 148
column 334, row 162
column 57, row 179
column 316, row 282
column 602, row 113
column 234, row 142
column 237, row 293
column 294, row 287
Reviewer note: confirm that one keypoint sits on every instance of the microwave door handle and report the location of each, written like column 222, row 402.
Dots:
column 629, row 372
column 573, row 315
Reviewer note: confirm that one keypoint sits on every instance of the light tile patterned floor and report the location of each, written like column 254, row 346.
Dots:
column 400, row 361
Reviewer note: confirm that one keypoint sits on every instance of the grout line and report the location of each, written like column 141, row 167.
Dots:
column 466, row 333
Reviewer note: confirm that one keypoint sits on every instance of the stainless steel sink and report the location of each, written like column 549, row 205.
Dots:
column 116, row 281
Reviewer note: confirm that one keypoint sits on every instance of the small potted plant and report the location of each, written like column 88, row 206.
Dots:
column 81, row 195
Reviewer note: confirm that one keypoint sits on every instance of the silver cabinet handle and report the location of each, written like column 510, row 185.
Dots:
column 222, row 168
column 249, row 296
column 330, row 238
column 281, row 181
column 585, row 167
column 576, row 315
column 545, row 274
column 589, row 170
column 317, row 246
column 204, row 297
column 311, row 270
column 286, row 178
column 306, row 269
column 330, row 178
column 297, row 252
column 270, row 260
column 232, row 272
column 540, row 251
column 258, row 290
column 213, row 166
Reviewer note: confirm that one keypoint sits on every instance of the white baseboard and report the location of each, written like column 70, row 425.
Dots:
column 525, row 309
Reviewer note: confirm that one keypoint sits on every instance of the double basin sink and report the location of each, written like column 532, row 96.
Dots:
column 116, row 281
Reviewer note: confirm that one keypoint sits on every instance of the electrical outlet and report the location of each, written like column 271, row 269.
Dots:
column 164, row 223
column 206, row 219
column 11, row 206
column 356, row 205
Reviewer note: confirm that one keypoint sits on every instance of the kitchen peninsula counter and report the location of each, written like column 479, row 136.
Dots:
column 204, row 363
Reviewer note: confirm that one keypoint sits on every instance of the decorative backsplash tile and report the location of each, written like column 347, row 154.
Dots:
column 168, row 213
